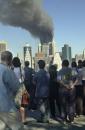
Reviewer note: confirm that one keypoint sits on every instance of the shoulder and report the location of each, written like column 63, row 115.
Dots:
column 36, row 74
column 9, row 72
column 68, row 69
column 3, row 67
column 8, row 75
column 60, row 72
column 17, row 70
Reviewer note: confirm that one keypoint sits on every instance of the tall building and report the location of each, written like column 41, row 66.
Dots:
column 3, row 45
column 47, row 52
column 38, row 56
column 84, row 53
column 66, row 53
column 57, row 60
column 27, row 54
column 80, row 56
column 52, row 48
column 45, row 49
column 39, row 48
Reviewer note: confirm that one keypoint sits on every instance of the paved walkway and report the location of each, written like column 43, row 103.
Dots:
column 79, row 124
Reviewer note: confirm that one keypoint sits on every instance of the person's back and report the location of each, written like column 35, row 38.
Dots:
column 53, row 82
column 67, row 90
column 9, row 86
column 28, row 75
column 28, row 72
column 42, row 83
column 19, row 72
column 74, row 70
column 82, row 73
column 28, row 81
column 52, row 72
column 41, row 80
column 65, row 75
column 5, row 89
column 54, row 91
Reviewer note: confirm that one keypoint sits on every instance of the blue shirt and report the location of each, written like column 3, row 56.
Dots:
column 65, row 74
column 41, row 79
column 28, row 75
column 9, row 86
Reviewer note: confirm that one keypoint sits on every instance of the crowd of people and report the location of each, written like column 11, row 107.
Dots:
column 55, row 94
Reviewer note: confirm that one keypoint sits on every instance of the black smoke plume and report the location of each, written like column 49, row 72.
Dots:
column 28, row 15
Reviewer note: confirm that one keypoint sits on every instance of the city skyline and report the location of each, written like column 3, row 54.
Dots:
column 68, row 20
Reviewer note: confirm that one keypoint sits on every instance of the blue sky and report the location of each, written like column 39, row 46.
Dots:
column 69, row 27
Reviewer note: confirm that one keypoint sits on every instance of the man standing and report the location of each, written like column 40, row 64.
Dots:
column 41, row 79
column 9, row 86
column 67, row 91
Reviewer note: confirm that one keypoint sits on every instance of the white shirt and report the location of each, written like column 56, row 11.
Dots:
column 19, row 74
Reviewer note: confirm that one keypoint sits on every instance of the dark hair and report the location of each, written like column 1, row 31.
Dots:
column 6, row 56
column 52, row 72
column 41, row 64
column 65, row 63
column 16, row 62
column 80, row 64
column 83, row 63
column 56, row 66
column 79, row 61
column 26, row 63
column 73, row 64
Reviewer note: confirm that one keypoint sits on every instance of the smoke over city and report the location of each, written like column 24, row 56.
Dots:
column 28, row 15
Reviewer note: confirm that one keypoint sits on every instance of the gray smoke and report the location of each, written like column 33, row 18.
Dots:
column 28, row 15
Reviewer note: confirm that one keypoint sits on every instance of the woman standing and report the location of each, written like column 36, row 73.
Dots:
column 20, row 76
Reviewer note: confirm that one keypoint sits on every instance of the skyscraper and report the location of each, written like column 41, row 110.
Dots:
column 66, row 53
column 84, row 53
column 27, row 54
column 80, row 56
column 45, row 49
column 52, row 48
column 39, row 48
column 3, row 45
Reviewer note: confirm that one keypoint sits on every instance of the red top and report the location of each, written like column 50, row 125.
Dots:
column 25, row 98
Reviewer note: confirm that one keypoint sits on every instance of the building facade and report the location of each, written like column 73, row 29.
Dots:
column 80, row 56
column 3, row 46
column 66, row 53
column 47, row 52
column 39, row 48
column 38, row 56
column 52, row 48
column 27, row 51
column 45, row 49
column 84, row 54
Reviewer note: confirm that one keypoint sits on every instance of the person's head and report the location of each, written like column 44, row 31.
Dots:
column 83, row 63
column 16, row 62
column 52, row 71
column 27, row 63
column 65, row 63
column 80, row 64
column 52, row 67
column 73, row 64
column 56, row 66
column 41, row 64
column 6, row 58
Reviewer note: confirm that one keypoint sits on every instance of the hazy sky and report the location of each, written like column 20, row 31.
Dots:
column 69, row 27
